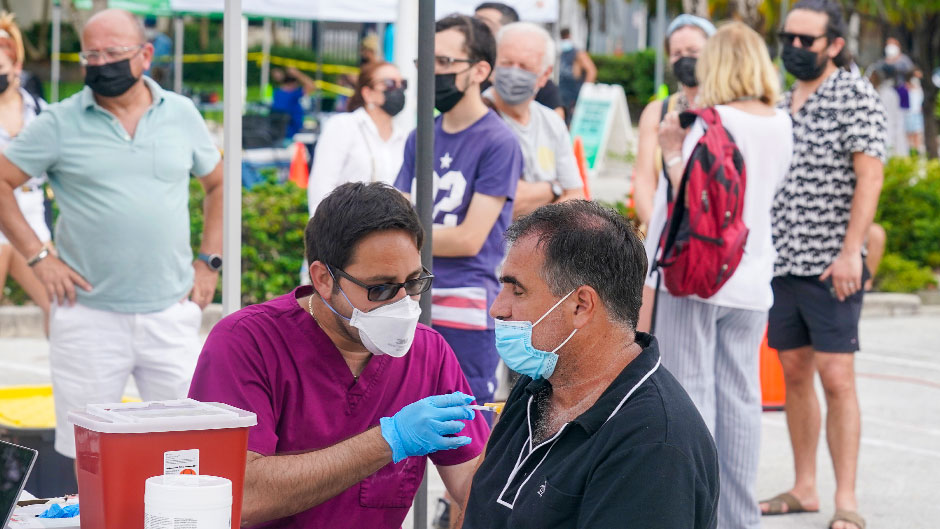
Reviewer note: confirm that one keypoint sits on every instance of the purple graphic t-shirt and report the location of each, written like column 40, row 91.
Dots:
column 483, row 158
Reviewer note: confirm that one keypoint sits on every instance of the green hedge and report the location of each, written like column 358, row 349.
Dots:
column 633, row 71
column 909, row 211
column 273, row 219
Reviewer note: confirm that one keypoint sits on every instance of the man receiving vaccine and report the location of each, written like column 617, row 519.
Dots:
column 596, row 433
column 350, row 391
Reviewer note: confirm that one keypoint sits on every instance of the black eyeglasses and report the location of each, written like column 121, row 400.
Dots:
column 387, row 291
column 444, row 62
column 805, row 40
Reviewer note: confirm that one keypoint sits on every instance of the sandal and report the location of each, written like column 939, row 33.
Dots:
column 775, row 505
column 847, row 516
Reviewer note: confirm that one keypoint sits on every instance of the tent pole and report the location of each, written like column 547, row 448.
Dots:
column 424, row 169
column 232, row 88
column 660, row 37
column 56, row 50
column 266, row 56
column 318, row 75
column 178, row 54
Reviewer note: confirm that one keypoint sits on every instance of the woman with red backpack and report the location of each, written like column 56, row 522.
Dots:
column 711, row 253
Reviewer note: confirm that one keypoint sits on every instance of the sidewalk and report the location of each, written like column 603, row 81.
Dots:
column 899, row 389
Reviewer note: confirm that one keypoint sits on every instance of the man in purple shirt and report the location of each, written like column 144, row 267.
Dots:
column 350, row 391
column 477, row 165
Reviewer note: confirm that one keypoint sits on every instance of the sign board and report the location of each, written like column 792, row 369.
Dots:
column 602, row 121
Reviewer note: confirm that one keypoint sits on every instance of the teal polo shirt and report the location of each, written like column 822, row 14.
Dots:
column 123, row 201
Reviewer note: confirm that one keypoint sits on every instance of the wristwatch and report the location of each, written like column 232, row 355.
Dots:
column 556, row 191
column 214, row 261
column 39, row 256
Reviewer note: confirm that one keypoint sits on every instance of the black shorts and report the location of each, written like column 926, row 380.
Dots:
column 805, row 312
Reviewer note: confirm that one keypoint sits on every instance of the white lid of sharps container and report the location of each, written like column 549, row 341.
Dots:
column 187, row 492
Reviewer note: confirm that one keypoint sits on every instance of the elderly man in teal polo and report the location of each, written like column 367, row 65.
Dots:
column 119, row 155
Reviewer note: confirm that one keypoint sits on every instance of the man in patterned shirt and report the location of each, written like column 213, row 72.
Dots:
column 821, row 215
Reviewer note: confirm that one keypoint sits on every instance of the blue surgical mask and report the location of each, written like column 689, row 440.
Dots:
column 514, row 345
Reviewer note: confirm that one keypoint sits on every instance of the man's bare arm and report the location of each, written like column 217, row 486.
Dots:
column 282, row 485
column 466, row 239
column 58, row 278
column 12, row 222
column 531, row 196
column 846, row 270
column 205, row 280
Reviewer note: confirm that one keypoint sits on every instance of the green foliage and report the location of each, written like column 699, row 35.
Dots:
column 897, row 274
column 70, row 42
column 273, row 219
column 908, row 210
column 633, row 71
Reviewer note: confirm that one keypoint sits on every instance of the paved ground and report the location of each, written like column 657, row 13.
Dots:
column 899, row 384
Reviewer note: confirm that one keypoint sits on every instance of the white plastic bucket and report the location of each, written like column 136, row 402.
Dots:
column 194, row 502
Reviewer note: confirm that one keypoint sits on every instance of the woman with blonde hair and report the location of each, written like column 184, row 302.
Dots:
column 711, row 345
column 17, row 109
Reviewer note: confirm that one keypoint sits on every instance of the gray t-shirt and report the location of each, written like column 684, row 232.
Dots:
column 546, row 147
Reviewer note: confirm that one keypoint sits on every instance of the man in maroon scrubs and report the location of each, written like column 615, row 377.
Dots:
column 350, row 391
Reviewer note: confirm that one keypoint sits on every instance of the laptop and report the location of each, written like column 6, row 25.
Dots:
column 16, row 462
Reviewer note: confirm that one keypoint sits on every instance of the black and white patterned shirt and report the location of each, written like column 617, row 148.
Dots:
column 812, row 207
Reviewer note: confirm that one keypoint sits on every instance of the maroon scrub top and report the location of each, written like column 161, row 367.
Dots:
column 274, row 360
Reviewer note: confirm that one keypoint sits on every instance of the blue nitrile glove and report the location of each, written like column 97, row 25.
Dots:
column 57, row 511
column 420, row 427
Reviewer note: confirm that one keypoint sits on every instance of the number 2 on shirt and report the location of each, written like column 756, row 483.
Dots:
column 456, row 186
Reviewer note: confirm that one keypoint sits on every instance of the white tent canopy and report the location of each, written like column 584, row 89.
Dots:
column 369, row 11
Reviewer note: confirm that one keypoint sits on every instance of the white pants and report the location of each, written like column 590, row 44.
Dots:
column 92, row 352
column 714, row 352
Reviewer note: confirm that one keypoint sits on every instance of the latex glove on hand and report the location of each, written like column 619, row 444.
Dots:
column 420, row 427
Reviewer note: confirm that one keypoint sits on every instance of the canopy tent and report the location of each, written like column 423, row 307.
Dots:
column 345, row 11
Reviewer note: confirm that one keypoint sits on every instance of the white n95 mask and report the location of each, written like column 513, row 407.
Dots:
column 387, row 329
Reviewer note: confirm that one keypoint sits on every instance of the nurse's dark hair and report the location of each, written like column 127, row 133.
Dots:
column 835, row 25
column 584, row 243
column 352, row 212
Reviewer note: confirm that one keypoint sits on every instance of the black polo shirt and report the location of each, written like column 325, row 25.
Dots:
column 640, row 457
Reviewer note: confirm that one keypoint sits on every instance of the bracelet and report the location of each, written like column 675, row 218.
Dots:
column 39, row 256
column 673, row 161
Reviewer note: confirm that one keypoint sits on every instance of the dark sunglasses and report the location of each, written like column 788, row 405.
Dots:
column 805, row 40
column 390, row 84
column 387, row 291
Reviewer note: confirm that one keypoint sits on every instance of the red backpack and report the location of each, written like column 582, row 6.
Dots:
column 704, row 236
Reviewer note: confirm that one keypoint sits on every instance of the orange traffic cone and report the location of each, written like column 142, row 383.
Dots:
column 299, row 172
column 773, row 389
column 582, row 165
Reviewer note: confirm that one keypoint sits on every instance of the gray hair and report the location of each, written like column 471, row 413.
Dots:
column 528, row 28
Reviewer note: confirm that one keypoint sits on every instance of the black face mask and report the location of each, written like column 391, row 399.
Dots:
column 394, row 101
column 110, row 80
column 805, row 65
column 446, row 93
column 684, row 70
column 4, row 82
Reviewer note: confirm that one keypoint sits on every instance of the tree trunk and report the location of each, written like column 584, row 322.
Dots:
column 696, row 7
column 748, row 12
column 204, row 33
column 78, row 17
column 926, row 45
column 35, row 52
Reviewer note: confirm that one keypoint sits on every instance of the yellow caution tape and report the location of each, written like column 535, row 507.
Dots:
column 256, row 56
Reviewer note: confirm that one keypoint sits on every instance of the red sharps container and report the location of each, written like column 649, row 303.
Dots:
column 119, row 446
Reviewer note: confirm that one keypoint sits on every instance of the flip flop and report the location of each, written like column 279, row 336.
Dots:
column 847, row 516
column 775, row 505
